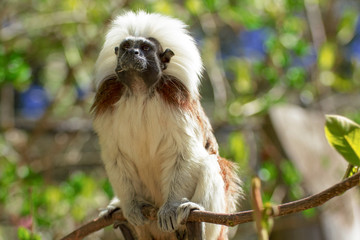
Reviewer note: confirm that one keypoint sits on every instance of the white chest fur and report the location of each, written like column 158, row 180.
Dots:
column 144, row 136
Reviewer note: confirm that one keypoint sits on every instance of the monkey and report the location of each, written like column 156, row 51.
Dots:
column 156, row 141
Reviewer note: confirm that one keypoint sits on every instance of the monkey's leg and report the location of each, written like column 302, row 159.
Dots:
column 127, row 230
column 194, row 230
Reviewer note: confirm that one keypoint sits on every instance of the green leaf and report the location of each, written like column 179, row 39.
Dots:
column 23, row 233
column 344, row 135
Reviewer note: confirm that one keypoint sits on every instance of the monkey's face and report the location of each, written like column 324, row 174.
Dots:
column 141, row 57
column 135, row 55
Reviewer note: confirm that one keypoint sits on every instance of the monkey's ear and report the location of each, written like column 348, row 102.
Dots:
column 166, row 55
column 116, row 50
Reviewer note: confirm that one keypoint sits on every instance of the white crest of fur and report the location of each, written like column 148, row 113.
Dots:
column 186, row 65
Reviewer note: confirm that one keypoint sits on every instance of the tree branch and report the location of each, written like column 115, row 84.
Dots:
column 226, row 219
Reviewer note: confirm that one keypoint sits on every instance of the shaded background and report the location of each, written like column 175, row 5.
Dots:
column 273, row 69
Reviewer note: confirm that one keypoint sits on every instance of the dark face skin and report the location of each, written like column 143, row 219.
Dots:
column 141, row 58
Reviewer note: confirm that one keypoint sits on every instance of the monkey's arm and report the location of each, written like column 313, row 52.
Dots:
column 181, row 184
column 120, row 177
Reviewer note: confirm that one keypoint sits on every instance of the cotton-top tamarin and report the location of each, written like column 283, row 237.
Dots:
column 156, row 141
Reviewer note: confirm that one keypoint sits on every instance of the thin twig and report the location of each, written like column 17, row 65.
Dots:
column 227, row 219
column 258, row 207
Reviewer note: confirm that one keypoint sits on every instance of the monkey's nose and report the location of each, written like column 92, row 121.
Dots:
column 136, row 51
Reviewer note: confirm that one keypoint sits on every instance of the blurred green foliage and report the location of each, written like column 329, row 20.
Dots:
column 267, row 52
column 26, row 193
column 26, row 234
column 14, row 69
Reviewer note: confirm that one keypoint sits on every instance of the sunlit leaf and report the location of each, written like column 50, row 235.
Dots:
column 25, row 234
column 347, row 26
column 327, row 55
column 344, row 135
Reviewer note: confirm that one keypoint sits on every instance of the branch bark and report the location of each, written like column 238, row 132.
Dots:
column 226, row 219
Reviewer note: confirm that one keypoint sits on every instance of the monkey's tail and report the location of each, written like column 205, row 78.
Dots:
column 233, row 189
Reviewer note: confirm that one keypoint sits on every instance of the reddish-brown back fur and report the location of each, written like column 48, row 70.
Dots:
column 174, row 92
column 107, row 95
column 227, row 173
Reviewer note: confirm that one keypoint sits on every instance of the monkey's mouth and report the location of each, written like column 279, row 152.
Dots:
column 135, row 63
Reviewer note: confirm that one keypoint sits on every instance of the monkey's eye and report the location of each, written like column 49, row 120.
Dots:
column 145, row 47
column 125, row 45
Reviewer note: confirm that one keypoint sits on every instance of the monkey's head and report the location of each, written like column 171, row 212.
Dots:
column 141, row 57
column 149, row 45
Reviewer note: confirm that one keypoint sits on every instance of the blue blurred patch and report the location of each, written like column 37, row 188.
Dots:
column 253, row 43
column 248, row 43
column 353, row 49
column 33, row 102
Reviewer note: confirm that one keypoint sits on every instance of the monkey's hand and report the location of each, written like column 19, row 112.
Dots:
column 131, row 211
column 172, row 214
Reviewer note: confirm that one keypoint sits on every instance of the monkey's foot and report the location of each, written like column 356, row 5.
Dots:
column 184, row 209
column 173, row 214
column 110, row 209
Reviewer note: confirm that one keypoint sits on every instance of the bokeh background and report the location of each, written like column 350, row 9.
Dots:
column 273, row 69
